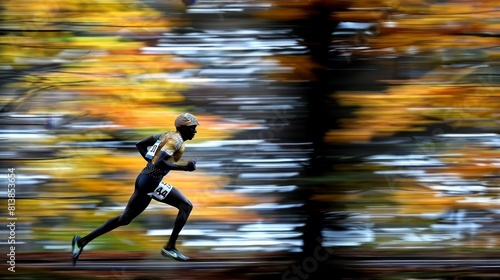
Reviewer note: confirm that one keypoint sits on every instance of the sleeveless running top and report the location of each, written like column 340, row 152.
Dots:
column 172, row 144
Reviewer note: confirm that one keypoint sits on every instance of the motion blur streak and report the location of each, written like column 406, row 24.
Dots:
column 352, row 139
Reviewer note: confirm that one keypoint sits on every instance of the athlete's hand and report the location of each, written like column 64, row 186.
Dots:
column 191, row 165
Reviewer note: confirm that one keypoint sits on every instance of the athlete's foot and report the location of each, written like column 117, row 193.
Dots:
column 175, row 254
column 76, row 249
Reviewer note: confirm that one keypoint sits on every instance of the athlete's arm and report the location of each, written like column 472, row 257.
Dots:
column 143, row 145
column 163, row 163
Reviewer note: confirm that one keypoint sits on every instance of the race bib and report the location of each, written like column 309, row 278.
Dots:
column 152, row 150
column 161, row 191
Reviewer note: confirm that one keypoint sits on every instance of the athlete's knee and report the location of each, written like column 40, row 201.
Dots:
column 124, row 220
column 187, row 207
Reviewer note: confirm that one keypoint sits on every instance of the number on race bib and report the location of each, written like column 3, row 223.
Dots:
column 161, row 191
column 152, row 151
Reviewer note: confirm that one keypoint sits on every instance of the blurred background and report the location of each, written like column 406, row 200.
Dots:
column 338, row 139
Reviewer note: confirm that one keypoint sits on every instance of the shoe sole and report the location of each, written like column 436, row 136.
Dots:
column 73, row 242
column 165, row 254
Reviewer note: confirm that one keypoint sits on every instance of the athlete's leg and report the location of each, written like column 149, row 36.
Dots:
column 136, row 205
column 178, row 200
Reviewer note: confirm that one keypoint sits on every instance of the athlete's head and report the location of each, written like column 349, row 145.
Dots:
column 186, row 125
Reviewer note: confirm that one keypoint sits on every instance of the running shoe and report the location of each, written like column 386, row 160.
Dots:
column 76, row 250
column 174, row 254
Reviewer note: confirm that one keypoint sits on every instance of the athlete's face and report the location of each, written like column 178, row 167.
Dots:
column 187, row 132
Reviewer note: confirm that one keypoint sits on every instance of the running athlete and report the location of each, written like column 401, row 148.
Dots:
column 161, row 151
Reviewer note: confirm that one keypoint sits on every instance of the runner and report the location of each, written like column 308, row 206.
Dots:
column 161, row 151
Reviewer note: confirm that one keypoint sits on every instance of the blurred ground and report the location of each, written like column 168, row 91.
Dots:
column 142, row 266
